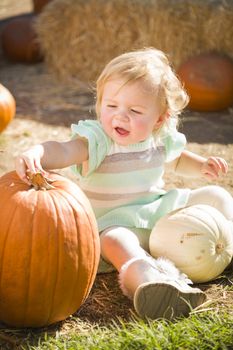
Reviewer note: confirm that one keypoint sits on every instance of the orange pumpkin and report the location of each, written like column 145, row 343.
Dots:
column 208, row 79
column 19, row 41
column 49, row 251
column 7, row 107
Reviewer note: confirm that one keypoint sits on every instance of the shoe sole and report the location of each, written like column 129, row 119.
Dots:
column 163, row 300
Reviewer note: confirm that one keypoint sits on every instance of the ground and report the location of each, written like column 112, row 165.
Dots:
column 45, row 109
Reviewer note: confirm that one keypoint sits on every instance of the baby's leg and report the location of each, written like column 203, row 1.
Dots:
column 157, row 288
column 119, row 245
column 214, row 196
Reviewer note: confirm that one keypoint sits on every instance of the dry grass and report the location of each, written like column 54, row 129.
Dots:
column 79, row 37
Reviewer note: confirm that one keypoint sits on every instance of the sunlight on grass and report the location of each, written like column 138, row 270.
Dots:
column 205, row 331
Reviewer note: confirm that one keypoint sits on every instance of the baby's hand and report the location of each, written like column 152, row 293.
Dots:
column 29, row 162
column 214, row 167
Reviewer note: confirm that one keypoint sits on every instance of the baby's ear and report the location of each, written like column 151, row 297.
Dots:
column 163, row 117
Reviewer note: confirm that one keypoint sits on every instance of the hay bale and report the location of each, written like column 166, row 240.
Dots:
column 78, row 37
column 218, row 29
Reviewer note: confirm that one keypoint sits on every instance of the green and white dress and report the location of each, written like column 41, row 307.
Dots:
column 125, row 183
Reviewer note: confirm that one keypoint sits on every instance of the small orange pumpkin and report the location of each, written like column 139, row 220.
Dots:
column 49, row 250
column 208, row 79
column 19, row 40
column 7, row 107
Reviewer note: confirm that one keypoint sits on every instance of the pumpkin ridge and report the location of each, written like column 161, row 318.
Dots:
column 90, row 281
column 218, row 227
column 64, row 195
column 10, row 232
column 27, row 298
column 50, row 313
column 56, row 199
column 48, row 281
column 4, row 247
column 201, row 221
column 79, row 255
column 35, row 219
column 79, row 274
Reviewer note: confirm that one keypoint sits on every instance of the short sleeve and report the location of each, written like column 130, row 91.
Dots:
column 174, row 143
column 98, row 144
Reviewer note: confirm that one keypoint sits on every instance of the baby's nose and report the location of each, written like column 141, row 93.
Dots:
column 122, row 115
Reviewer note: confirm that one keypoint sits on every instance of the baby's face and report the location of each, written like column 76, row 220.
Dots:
column 129, row 113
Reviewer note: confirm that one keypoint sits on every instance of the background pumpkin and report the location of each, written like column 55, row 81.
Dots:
column 198, row 239
column 49, row 251
column 208, row 79
column 7, row 107
column 19, row 40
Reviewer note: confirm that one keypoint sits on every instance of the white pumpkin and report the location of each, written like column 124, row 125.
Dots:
column 198, row 239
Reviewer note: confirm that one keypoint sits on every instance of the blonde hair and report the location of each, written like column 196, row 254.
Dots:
column 152, row 67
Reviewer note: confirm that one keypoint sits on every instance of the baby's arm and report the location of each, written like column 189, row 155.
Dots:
column 51, row 155
column 191, row 164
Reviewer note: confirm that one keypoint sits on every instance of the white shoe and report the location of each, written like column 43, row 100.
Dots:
column 167, row 300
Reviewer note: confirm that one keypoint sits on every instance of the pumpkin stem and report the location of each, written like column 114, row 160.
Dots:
column 40, row 182
column 219, row 248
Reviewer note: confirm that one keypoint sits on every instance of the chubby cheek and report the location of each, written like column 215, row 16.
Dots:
column 142, row 127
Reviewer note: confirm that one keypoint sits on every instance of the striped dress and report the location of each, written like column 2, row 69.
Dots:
column 125, row 183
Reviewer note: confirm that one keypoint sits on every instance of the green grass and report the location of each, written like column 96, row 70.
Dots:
column 208, row 330
column 99, row 324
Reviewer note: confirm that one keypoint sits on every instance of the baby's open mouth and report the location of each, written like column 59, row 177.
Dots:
column 122, row 131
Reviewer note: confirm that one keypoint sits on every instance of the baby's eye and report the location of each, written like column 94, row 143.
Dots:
column 135, row 111
column 111, row 106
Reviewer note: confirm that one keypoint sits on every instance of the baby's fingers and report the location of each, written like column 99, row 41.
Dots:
column 210, row 173
column 21, row 169
column 223, row 164
column 38, row 168
column 218, row 164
